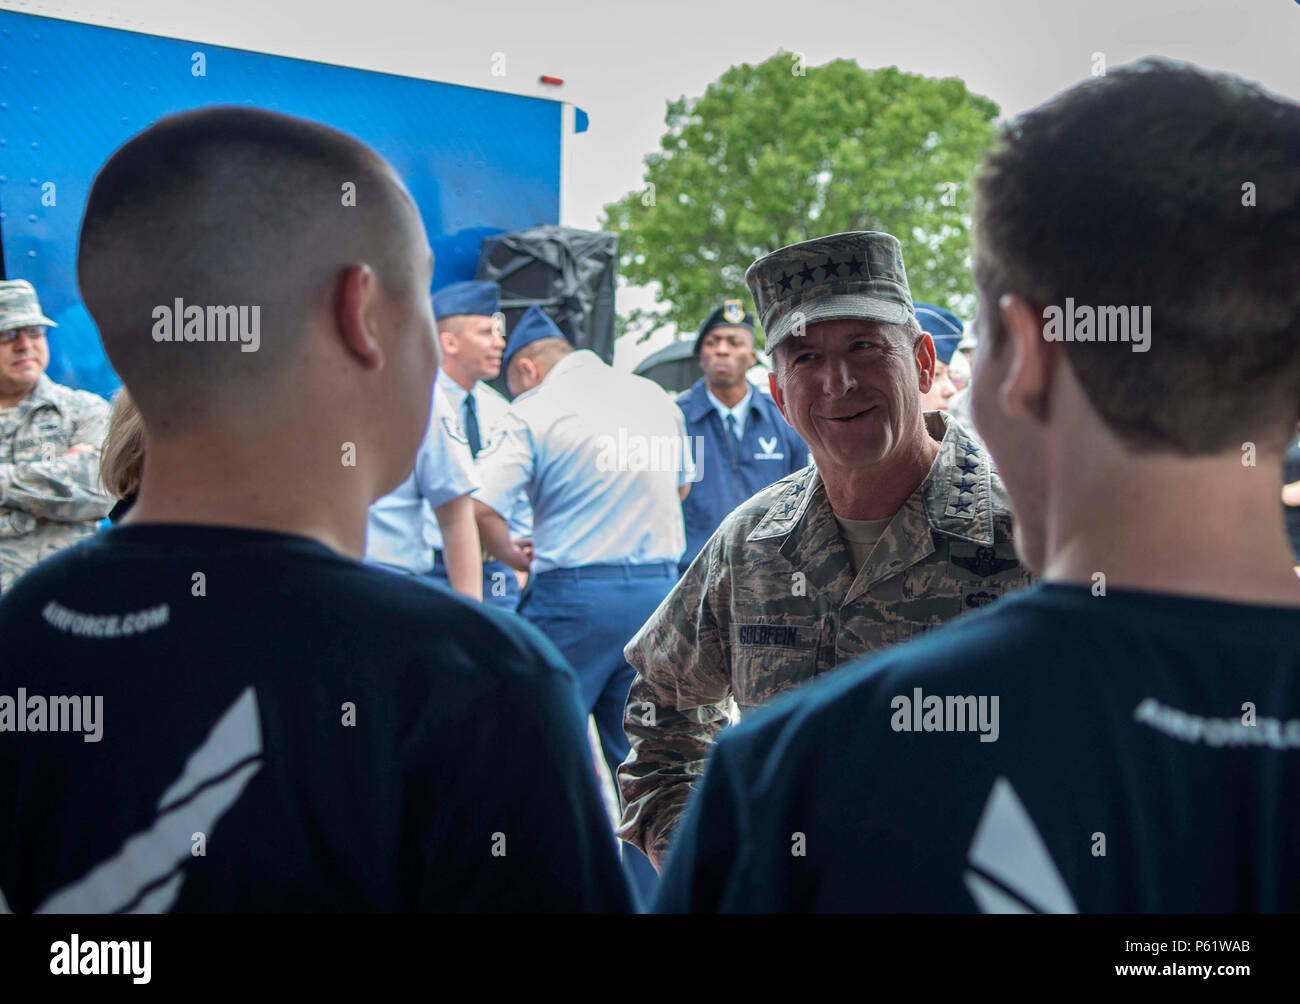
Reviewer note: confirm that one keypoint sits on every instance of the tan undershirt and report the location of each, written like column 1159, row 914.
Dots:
column 861, row 535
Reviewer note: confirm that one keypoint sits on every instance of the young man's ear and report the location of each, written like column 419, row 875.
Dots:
column 1024, row 389
column 355, row 301
column 520, row 373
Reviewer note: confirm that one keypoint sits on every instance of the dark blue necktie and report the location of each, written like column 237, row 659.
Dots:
column 471, row 427
column 733, row 438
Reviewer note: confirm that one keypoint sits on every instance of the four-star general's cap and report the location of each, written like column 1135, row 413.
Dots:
column 533, row 326
column 19, row 307
column 943, row 326
column 473, row 296
column 732, row 314
column 858, row 274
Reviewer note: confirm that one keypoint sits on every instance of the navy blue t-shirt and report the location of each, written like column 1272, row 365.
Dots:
column 277, row 728
column 1120, row 770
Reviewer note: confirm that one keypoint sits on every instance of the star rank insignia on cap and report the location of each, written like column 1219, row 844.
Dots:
column 733, row 311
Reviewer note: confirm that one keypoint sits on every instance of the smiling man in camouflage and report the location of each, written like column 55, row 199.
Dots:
column 50, row 437
column 900, row 525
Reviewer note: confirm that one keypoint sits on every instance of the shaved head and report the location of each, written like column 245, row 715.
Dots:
column 235, row 207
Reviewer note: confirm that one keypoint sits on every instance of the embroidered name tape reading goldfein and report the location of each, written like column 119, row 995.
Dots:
column 772, row 636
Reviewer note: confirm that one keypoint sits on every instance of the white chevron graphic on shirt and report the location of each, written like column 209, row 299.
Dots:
column 769, row 445
column 145, row 876
column 1011, row 868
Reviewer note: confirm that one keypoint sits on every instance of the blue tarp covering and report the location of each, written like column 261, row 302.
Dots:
column 478, row 162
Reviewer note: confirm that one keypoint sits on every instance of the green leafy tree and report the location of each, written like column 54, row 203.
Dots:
column 778, row 153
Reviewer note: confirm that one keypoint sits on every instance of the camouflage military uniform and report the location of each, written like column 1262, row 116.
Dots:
column 47, row 500
column 771, row 602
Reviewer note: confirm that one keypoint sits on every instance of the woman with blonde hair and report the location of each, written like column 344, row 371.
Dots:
column 122, row 459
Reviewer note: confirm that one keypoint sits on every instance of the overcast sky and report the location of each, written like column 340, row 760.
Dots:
column 621, row 62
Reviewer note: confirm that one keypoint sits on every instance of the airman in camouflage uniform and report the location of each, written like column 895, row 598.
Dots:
column 773, row 600
column 50, row 439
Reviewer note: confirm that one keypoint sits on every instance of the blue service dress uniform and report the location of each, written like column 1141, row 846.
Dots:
column 730, row 468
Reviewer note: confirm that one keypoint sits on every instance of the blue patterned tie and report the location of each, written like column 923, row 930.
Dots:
column 471, row 427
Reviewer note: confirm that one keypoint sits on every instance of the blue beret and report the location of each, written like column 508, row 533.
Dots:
column 535, row 325
column 732, row 314
column 474, row 296
column 943, row 326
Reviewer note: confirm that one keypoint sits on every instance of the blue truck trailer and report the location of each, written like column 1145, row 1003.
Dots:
column 478, row 162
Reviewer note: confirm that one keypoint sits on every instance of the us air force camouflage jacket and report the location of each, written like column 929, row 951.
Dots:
column 48, row 500
column 772, row 602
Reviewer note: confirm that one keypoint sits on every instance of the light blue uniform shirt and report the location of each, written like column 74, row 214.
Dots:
column 396, row 531
column 491, row 408
column 601, row 455
column 740, row 411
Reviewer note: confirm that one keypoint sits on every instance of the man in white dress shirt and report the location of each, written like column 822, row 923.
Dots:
column 605, row 462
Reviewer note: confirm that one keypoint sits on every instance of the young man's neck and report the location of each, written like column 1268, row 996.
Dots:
column 730, row 395
column 880, row 491
column 1205, row 527
column 223, row 482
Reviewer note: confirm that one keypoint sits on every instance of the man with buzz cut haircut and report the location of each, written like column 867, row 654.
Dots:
column 1147, row 752
column 342, row 739
column 900, row 525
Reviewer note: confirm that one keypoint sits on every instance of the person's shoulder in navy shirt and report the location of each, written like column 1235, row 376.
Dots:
column 1057, row 752
column 375, row 725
